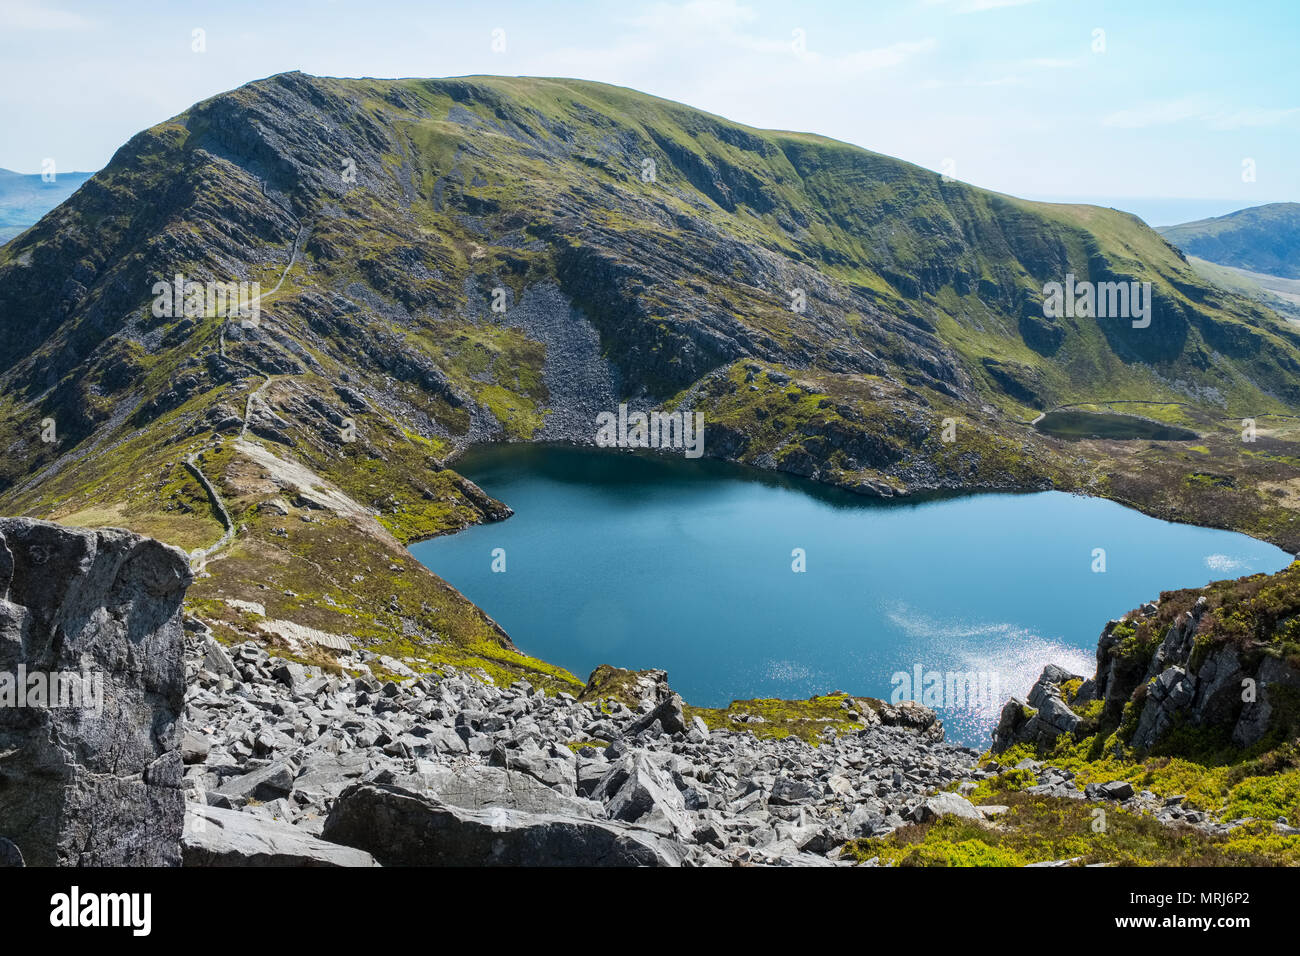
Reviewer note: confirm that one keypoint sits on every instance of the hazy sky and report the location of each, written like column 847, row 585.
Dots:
column 1023, row 96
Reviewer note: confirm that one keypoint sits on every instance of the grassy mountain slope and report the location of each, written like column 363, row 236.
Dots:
column 1273, row 292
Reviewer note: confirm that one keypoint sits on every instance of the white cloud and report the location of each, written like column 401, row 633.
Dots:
column 879, row 58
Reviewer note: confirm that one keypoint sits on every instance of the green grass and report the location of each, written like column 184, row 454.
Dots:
column 1042, row 829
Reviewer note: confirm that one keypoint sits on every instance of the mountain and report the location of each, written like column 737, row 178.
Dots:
column 443, row 262
column 1263, row 239
column 24, row 199
column 446, row 262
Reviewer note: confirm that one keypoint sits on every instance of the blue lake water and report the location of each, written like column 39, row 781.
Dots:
column 637, row 561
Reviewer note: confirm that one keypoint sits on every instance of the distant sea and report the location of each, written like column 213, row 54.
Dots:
column 26, row 197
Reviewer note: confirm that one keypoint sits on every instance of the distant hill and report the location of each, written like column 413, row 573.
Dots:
column 1264, row 239
column 25, row 198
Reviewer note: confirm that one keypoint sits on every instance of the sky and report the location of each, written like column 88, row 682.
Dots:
column 1150, row 100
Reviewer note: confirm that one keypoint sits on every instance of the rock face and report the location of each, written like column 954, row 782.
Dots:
column 95, row 783
column 1221, row 685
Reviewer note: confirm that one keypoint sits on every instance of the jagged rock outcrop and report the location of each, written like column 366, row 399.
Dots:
column 1148, row 689
column 907, row 714
column 1040, row 719
column 90, row 773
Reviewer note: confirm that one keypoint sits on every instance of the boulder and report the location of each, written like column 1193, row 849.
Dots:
column 943, row 805
column 1118, row 790
column 403, row 828
column 266, row 783
column 93, row 778
column 216, row 837
column 195, row 748
column 1040, row 719
column 909, row 715
column 667, row 712
column 555, row 772
column 788, row 792
column 291, row 674
column 216, row 660
column 481, row 788
column 634, row 790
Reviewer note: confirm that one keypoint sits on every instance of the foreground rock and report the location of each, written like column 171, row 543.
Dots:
column 91, row 778
column 402, row 828
column 216, row 837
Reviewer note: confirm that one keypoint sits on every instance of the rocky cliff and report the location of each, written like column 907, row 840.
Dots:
column 92, row 683
column 1219, row 663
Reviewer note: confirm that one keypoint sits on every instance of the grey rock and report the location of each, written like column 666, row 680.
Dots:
column 93, row 789
column 668, row 713
column 636, row 791
column 215, row 837
column 290, row 674
column 401, row 828
column 945, row 804
column 481, row 788
column 789, row 791
column 194, row 748
column 216, row 660
column 1116, row 790
column 267, row 783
